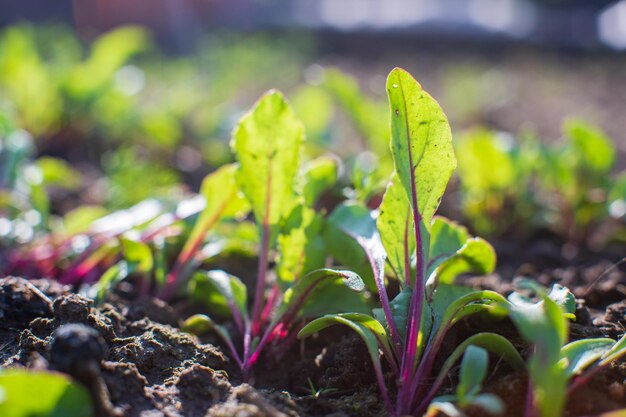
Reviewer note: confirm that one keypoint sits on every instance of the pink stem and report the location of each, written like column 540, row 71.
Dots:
column 529, row 408
column 260, row 281
column 417, row 299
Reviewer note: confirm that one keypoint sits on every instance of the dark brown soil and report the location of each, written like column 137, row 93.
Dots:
column 151, row 368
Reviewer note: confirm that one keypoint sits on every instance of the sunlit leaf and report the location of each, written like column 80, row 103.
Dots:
column 55, row 394
column 301, row 246
column 307, row 286
column 395, row 225
column 267, row 142
column 421, row 143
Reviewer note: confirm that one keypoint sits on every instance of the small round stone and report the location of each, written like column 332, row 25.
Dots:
column 74, row 346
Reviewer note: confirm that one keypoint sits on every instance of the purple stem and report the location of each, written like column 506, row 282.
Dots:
column 237, row 317
column 426, row 365
column 417, row 299
column 384, row 300
column 583, row 380
column 250, row 360
column 247, row 340
column 233, row 352
column 260, row 281
column 380, row 379
column 529, row 408
column 270, row 303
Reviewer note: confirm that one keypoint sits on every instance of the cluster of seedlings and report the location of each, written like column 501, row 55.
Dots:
column 319, row 265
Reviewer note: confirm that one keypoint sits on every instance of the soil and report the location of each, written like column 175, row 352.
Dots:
column 152, row 368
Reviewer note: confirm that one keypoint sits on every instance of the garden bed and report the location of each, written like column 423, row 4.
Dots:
column 153, row 368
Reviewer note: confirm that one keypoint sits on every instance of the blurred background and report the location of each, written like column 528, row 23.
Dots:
column 106, row 103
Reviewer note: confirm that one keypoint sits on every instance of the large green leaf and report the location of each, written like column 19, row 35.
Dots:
column 421, row 143
column 267, row 142
column 395, row 225
column 41, row 394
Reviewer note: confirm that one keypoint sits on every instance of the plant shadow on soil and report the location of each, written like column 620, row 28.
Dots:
column 151, row 368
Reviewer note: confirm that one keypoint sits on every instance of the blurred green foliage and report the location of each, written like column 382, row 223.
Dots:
column 568, row 187
column 131, row 122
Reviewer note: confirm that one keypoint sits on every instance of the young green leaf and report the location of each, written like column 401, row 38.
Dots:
column 295, row 296
column 476, row 256
column 492, row 342
column 80, row 219
column 357, row 222
column 220, row 290
column 446, row 239
column 453, row 252
column 473, row 372
column 421, row 143
column 490, row 403
column 366, row 321
column 56, row 172
column 545, row 325
column 267, row 142
column 451, row 303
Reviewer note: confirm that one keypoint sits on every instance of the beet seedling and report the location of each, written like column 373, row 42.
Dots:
column 267, row 143
column 426, row 255
column 556, row 370
column 473, row 371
